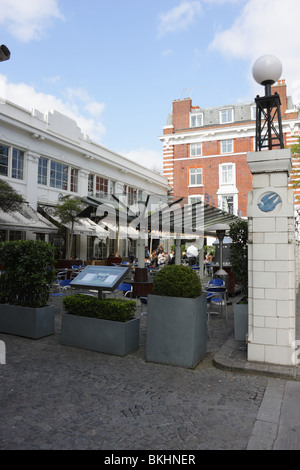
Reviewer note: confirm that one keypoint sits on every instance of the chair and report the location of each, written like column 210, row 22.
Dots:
column 216, row 295
column 216, row 282
column 125, row 288
column 64, row 285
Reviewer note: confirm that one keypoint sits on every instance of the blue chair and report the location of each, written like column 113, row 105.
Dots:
column 64, row 285
column 125, row 288
column 216, row 282
column 216, row 295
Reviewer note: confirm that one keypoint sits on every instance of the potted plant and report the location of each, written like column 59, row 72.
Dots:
column 102, row 325
column 176, row 320
column 239, row 264
column 25, row 285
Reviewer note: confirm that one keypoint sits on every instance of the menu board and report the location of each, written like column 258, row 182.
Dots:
column 100, row 277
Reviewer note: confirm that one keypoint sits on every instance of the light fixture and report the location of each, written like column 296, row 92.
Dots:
column 266, row 70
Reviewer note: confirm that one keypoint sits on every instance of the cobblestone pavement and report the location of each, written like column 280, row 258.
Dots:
column 59, row 397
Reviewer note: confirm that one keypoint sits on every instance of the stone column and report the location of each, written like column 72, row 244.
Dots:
column 271, row 259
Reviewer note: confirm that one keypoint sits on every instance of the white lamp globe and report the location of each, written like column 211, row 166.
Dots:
column 267, row 69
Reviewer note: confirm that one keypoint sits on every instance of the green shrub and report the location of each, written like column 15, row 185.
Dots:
column 177, row 281
column 107, row 309
column 28, row 272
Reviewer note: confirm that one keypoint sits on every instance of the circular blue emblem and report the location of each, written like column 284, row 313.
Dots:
column 269, row 201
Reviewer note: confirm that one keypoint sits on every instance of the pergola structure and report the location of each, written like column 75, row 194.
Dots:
column 155, row 217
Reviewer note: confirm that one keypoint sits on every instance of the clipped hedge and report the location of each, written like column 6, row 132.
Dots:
column 177, row 281
column 107, row 309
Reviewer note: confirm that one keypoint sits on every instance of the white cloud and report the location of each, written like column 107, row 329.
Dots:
column 27, row 97
column 179, row 17
column 151, row 159
column 265, row 27
column 27, row 20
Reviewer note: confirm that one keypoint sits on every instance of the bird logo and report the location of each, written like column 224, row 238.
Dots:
column 269, row 201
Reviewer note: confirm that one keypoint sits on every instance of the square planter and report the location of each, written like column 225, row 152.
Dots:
column 27, row 321
column 240, row 313
column 176, row 330
column 105, row 336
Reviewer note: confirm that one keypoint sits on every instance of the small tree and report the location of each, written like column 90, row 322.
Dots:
column 10, row 200
column 68, row 214
column 239, row 254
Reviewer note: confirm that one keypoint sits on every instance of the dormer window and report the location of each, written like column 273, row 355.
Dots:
column 196, row 119
column 226, row 115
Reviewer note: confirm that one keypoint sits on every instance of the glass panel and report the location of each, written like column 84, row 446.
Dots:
column 17, row 164
column 42, row 170
column 58, row 176
column 3, row 160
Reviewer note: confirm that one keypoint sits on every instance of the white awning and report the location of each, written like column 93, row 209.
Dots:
column 26, row 219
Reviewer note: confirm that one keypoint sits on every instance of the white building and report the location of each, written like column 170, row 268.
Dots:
column 45, row 157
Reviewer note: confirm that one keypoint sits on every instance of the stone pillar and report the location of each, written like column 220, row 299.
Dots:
column 271, row 259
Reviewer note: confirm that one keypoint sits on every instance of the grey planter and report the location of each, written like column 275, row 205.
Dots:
column 176, row 330
column 240, row 313
column 26, row 321
column 105, row 336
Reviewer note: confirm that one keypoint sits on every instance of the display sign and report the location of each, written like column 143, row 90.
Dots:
column 100, row 277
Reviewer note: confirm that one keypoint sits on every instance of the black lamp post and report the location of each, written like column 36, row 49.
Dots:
column 266, row 71
column 4, row 53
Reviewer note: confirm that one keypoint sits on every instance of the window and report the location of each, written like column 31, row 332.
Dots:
column 226, row 115
column 226, row 174
column 4, row 160
column 253, row 113
column 101, row 185
column 227, row 204
column 196, row 120
column 42, row 170
column 17, row 164
column 132, row 193
column 195, row 198
column 226, row 146
column 195, row 176
column 74, row 180
column 58, row 175
column 91, row 184
column 195, row 149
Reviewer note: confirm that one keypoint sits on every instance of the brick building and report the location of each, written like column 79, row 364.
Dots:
column 205, row 149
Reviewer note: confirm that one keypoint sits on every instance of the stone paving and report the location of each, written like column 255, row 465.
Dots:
column 58, row 397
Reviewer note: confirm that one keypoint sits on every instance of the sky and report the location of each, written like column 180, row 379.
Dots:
column 115, row 66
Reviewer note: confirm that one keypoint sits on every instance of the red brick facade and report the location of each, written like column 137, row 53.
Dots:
column 218, row 172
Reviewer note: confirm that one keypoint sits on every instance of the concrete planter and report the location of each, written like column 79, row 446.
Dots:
column 26, row 321
column 240, row 313
column 176, row 330
column 105, row 336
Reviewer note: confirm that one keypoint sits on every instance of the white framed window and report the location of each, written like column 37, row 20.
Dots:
column 227, row 174
column 227, row 146
column 196, row 120
column 12, row 162
column 43, row 171
column 195, row 149
column 58, row 175
column 226, row 115
column 195, row 177
column 228, row 203
column 195, row 198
